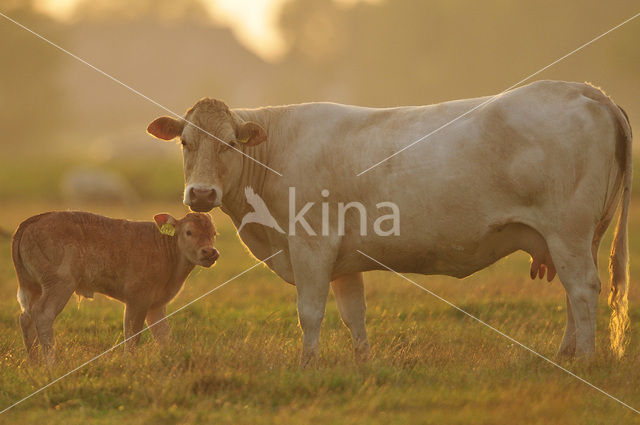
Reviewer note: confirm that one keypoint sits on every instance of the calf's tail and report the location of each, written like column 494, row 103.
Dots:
column 28, row 288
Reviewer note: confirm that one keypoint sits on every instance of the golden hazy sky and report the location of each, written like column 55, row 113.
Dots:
column 252, row 21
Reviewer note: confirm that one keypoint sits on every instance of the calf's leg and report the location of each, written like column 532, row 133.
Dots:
column 28, row 294
column 55, row 294
column 156, row 321
column 29, row 333
column 134, row 315
column 349, row 293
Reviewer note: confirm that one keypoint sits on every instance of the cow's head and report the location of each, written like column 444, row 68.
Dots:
column 195, row 235
column 210, row 166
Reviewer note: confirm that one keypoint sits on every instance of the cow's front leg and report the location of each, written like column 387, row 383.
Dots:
column 312, row 273
column 349, row 293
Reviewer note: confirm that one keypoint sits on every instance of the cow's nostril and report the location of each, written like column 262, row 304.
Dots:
column 202, row 199
column 208, row 195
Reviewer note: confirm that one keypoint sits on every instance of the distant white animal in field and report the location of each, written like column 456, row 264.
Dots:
column 97, row 185
column 260, row 214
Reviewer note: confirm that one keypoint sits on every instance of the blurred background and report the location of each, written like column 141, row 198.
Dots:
column 70, row 134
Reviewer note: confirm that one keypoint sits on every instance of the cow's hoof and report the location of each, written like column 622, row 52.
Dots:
column 566, row 353
column 585, row 357
column 308, row 359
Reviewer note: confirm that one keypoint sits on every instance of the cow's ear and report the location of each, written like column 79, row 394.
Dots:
column 165, row 128
column 166, row 224
column 250, row 134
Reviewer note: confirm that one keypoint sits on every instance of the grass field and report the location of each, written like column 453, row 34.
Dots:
column 234, row 359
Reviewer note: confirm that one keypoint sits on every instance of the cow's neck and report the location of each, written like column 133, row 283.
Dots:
column 254, row 174
column 259, row 178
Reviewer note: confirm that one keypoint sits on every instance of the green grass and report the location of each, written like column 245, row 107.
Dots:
column 234, row 359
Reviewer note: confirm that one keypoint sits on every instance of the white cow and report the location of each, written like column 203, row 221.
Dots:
column 541, row 169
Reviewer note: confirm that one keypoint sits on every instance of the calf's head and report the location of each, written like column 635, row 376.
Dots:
column 213, row 138
column 195, row 234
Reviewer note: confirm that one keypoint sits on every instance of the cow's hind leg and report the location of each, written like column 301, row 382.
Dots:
column 349, row 293
column 579, row 276
column 568, row 347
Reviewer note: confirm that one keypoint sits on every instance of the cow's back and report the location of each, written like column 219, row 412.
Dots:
column 518, row 158
column 494, row 181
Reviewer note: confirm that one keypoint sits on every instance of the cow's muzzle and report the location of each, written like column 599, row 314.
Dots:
column 202, row 200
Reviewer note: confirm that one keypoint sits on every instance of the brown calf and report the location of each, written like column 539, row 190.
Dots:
column 58, row 253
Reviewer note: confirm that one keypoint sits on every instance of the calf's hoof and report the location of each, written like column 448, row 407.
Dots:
column 362, row 353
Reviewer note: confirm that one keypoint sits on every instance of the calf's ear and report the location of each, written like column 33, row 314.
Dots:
column 165, row 128
column 166, row 224
column 250, row 134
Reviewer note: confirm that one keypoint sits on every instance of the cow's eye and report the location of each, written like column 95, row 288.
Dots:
column 188, row 232
column 184, row 144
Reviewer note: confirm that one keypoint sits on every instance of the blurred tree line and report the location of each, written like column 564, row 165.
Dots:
column 408, row 52
column 377, row 54
column 31, row 105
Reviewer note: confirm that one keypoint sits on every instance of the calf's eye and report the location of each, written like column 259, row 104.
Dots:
column 188, row 232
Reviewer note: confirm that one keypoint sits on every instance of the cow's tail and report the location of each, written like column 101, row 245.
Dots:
column 619, row 262
column 28, row 288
